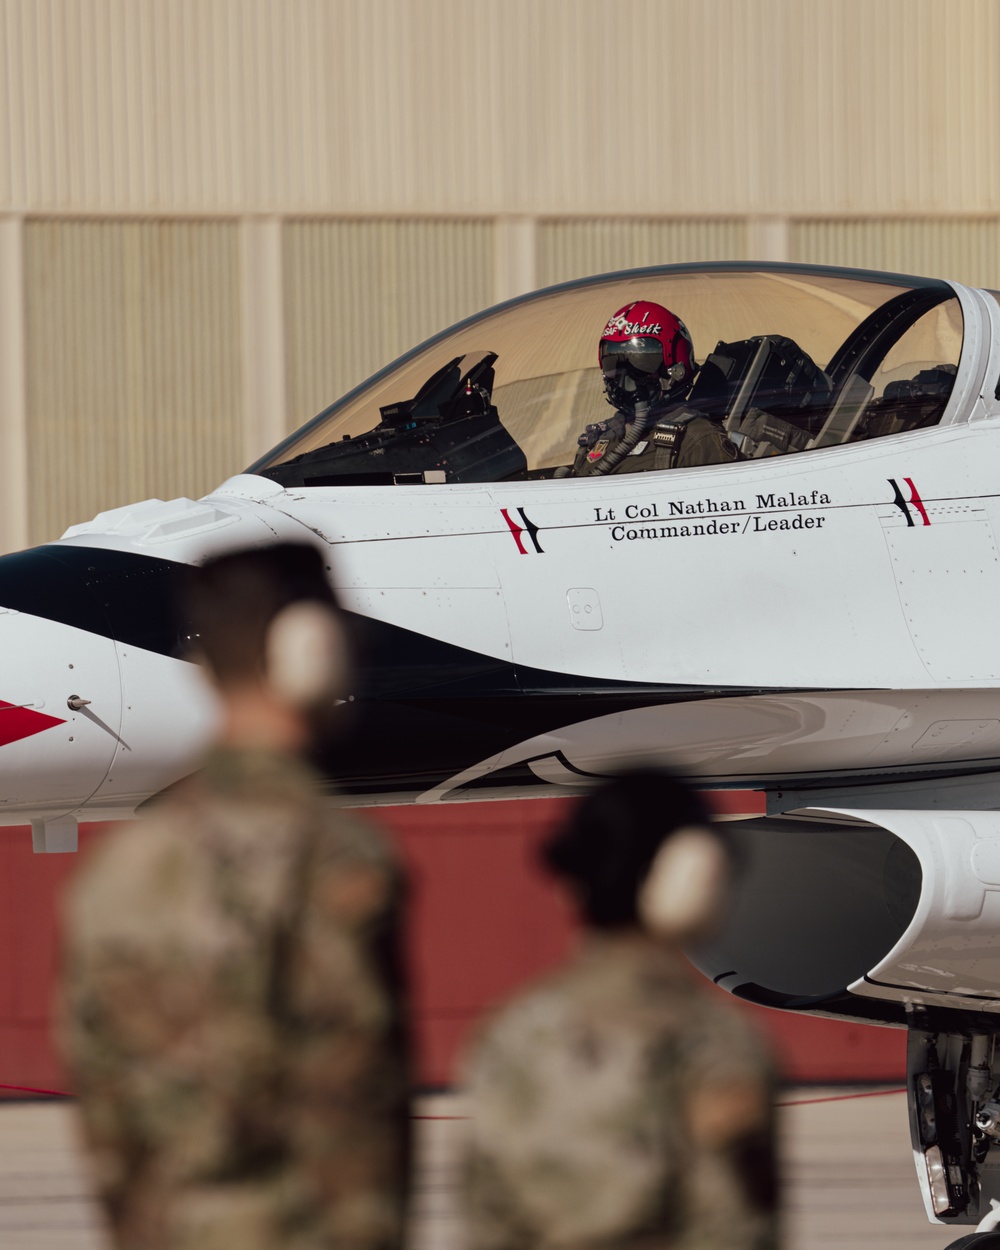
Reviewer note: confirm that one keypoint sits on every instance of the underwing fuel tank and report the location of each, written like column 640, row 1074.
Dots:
column 865, row 914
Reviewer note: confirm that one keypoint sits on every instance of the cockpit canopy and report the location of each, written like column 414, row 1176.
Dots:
column 790, row 359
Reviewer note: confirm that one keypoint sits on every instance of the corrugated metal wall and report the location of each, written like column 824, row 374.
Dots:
column 475, row 106
column 964, row 250
column 359, row 293
column 133, row 369
column 574, row 249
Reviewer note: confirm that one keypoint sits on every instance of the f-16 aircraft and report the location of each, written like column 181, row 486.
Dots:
column 806, row 626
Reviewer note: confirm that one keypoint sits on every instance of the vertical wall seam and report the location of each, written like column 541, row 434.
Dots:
column 262, row 314
column 13, row 387
column 515, row 257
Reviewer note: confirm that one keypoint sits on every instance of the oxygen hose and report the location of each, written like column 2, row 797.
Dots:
column 640, row 425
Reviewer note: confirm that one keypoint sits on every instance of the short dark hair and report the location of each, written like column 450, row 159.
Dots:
column 230, row 600
column 610, row 839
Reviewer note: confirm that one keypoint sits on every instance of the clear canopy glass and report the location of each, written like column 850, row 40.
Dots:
column 807, row 358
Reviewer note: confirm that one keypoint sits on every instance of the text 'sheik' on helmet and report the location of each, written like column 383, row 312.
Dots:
column 645, row 350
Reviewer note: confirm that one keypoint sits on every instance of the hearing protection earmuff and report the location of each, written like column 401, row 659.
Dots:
column 685, row 885
column 304, row 654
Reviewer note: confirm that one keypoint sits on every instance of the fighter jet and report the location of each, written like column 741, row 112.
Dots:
column 805, row 625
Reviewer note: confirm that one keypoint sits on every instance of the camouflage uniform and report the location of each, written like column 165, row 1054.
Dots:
column 704, row 442
column 231, row 1016
column 616, row 1105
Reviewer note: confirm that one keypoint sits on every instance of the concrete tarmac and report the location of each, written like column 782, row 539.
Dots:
column 850, row 1183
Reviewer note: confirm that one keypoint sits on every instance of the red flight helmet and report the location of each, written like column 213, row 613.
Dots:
column 645, row 353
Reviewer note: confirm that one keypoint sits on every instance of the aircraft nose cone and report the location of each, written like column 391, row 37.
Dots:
column 93, row 696
column 53, row 758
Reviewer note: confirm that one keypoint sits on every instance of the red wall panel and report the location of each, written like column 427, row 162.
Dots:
column 30, row 886
column 483, row 919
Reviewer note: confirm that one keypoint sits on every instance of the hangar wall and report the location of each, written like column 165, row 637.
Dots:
column 486, row 106
column 128, row 394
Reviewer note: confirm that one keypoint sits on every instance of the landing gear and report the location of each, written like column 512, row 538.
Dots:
column 953, row 1090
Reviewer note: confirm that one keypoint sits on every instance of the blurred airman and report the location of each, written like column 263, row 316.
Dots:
column 615, row 1104
column 232, row 993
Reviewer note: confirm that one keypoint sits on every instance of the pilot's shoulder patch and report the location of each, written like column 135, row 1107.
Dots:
column 598, row 449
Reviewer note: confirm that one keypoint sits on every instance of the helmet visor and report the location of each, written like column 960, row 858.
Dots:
column 642, row 355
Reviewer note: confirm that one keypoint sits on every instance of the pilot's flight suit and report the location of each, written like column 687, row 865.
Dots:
column 616, row 1106
column 232, row 1019
column 694, row 439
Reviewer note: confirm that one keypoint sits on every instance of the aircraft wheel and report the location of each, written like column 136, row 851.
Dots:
column 976, row 1241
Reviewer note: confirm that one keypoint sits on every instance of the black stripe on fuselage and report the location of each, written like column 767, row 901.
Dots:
column 116, row 594
column 135, row 599
column 420, row 709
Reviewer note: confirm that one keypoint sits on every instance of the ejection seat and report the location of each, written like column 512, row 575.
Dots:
column 910, row 403
column 771, row 395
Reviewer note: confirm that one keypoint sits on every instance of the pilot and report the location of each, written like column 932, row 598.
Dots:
column 647, row 359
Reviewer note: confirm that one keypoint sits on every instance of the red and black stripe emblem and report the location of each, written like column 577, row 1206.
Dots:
column 520, row 527
column 914, row 501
